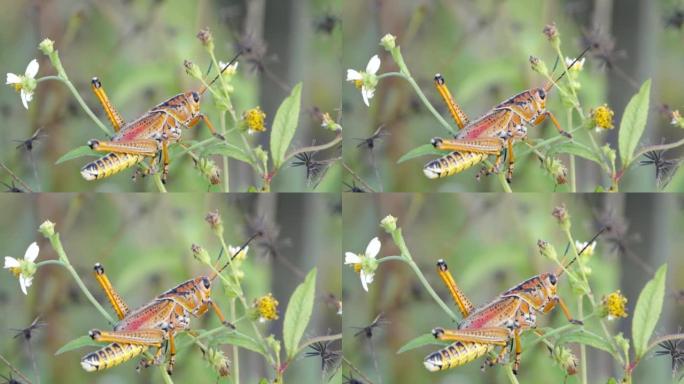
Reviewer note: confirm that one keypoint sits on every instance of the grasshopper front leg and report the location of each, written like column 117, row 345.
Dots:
column 112, row 114
column 114, row 298
column 461, row 300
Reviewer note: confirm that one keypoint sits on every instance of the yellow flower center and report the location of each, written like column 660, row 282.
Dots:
column 17, row 86
column 267, row 306
column 358, row 83
column 254, row 119
column 16, row 271
column 357, row 267
column 615, row 304
column 603, row 117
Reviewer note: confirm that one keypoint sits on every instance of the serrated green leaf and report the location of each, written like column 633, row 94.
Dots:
column 633, row 123
column 76, row 153
column 577, row 149
column 420, row 341
column 83, row 341
column 423, row 150
column 285, row 124
column 242, row 341
column 647, row 311
column 587, row 338
column 298, row 313
column 230, row 150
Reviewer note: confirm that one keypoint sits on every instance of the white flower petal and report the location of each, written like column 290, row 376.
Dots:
column 367, row 94
column 373, row 65
column 353, row 75
column 32, row 69
column 13, row 79
column 32, row 252
column 24, row 282
column 351, row 258
column 11, row 262
column 363, row 281
column 25, row 98
column 373, row 248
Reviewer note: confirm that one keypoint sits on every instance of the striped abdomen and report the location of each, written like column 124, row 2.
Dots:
column 110, row 356
column 108, row 165
column 455, row 354
column 452, row 163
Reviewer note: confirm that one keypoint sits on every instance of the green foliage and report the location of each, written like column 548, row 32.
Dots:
column 298, row 313
column 633, row 123
column 422, row 150
column 647, row 311
column 420, row 341
column 284, row 125
column 82, row 341
column 76, row 153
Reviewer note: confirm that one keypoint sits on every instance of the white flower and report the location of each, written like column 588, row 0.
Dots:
column 367, row 80
column 233, row 252
column 25, row 84
column 365, row 264
column 231, row 70
column 588, row 251
column 577, row 67
column 24, row 268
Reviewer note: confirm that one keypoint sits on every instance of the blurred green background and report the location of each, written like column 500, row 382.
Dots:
column 490, row 244
column 143, row 241
column 482, row 50
column 137, row 49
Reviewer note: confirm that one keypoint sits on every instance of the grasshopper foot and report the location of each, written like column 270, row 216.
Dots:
column 436, row 142
column 93, row 144
column 228, row 324
column 577, row 322
column 438, row 332
column 219, row 136
column 566, row 134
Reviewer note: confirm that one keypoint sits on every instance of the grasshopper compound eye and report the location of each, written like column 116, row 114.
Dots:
column 206, row 282
column 542, row 94
column 552, row 279
column 196, row 97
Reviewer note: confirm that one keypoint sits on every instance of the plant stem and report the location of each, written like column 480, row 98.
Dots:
column 165, row 375
column 573, row 178
column 236, row 357
column 509, row 373
column 583, row 347
column 158, row 182
column 226, row 176
column 57, row 246
column 406, row 257
column 422, row 98
column 504, row 184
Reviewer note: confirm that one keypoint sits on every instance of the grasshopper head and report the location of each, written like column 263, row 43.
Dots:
column 193, row 98
column 203, row 284
column 539, row 95
column 550, row 282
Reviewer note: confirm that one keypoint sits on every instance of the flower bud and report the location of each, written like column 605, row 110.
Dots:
column 200, row 254
column 47, row 46
column 389, row 223
column 47, row 229
column 389, row 42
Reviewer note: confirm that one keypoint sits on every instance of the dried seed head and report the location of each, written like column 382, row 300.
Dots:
column 552, row 34
column 214, row 220
column 205, row 36
column 547, row 250
column 200, row 254
column 565, row 359
column 218, row 361
column 561, row 214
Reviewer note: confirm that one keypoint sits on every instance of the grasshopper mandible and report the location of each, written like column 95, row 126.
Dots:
column 153, row 324
column 499, row 323
column 147, row 136
column 491, row 134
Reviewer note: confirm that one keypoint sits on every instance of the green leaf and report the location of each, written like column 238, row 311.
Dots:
column 587, row 338
column 83, row 341
column 285, row 124
column 612, row 380
column 76, row 153
column 298, row 313
column 242, row 341
column 633, row 123
column 230, row 150
column 577, row 149
column 420, row 341
column 647, row 311
column 423, row 150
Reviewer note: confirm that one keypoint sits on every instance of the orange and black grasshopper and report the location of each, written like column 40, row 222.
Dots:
column 147, row 136
column 491, row 134
column 153, row 324
column 499, row 323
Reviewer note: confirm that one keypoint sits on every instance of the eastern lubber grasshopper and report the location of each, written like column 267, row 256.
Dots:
column 154, row 324
column 147, row 136
column 491, row 134
column 499, row 323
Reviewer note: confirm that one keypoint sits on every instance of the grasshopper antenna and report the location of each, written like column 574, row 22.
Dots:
column 566, row 266
column 549, row 85
column 254, row 236
column 233, row 60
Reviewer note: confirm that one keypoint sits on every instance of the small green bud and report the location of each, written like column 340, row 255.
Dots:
column 389, row 42
column 389, row 223
column 547, row 250
column 201, row 254
column 47, row 229
column 192, row 69
column 47, row 46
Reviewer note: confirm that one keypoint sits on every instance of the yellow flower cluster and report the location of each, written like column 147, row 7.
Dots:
column 615, row 305
column 254, row 120
column 602, row 117
column 267, row 307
